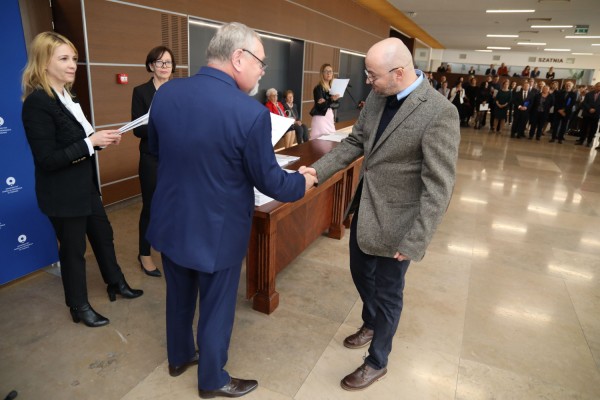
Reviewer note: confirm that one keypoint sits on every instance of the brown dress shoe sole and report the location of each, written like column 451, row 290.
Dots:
column 351, row 346
column 358, row 388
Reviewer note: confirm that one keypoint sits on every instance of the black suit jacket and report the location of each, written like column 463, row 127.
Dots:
column 564, row 100
column 547, row 105
column 65, row 173
column 588, row 102
column 140, row 104
column 319, row 92
column 517, row 99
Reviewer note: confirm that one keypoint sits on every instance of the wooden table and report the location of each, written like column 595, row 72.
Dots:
column 282, row 231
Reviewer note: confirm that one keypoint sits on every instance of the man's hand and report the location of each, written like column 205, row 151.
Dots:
column 400, row 257
column 310, row 175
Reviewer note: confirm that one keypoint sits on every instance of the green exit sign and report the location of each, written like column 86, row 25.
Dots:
column 581, row 29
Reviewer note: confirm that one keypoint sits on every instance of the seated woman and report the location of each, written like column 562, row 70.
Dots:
column 277, row 108
column 292, row 112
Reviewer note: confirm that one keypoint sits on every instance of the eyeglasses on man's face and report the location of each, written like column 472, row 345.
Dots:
column 372, row 78
column 263, row 66
column 163, row 64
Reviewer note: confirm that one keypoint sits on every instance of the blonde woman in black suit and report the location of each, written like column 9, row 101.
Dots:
column 62, row 142
column 161, row 63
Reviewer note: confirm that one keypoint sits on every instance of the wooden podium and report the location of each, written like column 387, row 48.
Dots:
column 282, row 231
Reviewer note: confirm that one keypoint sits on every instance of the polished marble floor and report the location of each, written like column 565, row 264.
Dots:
column 505, row 305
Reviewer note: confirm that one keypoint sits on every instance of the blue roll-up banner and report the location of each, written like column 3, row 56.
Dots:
column 27, row 240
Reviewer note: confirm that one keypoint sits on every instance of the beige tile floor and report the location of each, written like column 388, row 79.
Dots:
column 505, row 305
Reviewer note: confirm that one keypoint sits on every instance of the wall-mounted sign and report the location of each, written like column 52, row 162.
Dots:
column 581, row 29
column 550, row 60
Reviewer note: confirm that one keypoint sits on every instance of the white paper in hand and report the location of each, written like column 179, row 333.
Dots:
column 339, row 87
column 143, row 120
column 279, row 126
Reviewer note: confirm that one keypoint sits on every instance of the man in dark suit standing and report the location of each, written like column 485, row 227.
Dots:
column 564, row 100
column 409, row 136
column 591, row 112
column 213, row 144
column 491, row 70
column 522, row 101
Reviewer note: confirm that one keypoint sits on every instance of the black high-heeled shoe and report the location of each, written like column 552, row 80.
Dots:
column 123, row 289
column 89, row 317
column 155, row 272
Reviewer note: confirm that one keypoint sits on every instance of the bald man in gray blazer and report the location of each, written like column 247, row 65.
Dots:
column 409, row 135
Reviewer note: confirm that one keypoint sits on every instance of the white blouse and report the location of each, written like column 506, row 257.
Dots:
column 77, row 112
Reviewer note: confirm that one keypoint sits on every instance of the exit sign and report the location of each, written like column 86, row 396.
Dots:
column 581, row 29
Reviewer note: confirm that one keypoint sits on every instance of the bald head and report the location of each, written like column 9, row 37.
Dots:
column 391, row 53
column 390, row 64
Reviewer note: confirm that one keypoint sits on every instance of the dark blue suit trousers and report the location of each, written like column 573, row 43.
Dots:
column 218, row 292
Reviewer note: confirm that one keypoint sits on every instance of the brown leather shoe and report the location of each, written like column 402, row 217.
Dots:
column 362, row 378
column 235, row 388
column 176, row 370
column 360, row 339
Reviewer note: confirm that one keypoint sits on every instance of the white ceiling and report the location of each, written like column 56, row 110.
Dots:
column 464, row 24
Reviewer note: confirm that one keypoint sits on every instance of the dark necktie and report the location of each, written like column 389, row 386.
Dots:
column 524, row 94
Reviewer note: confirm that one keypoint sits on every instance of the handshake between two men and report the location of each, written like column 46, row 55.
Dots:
column 310, row 175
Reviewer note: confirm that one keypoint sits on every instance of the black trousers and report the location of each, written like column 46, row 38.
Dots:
column 518, row 127
column 380, row 283
column 71, row 233
column 301, row 133
column 560, row 126
column 147, row 171
column 589, row 126
column 538, row 121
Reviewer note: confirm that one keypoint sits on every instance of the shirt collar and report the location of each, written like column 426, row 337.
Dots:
column 412, row 87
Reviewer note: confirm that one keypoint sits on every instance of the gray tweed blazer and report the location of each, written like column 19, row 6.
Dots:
column 407, row 176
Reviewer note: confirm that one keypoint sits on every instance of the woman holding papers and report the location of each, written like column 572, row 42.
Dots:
column 277, row 108
column 323, row 121
column 62, row 142
column 161, row 63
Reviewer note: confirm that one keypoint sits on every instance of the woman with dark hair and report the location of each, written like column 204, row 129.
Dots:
column 292, row 111
column 323, row 120
column 63, row 145
column 161, row 63
column 503, row 100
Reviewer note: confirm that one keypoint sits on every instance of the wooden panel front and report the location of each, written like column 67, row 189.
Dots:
column 112, row 101
column 119, row 162
column 68, row 22
column 120, row 191
column 282, row 231
column 121, row 34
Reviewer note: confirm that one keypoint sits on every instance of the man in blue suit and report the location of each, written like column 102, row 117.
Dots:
column 213, row 144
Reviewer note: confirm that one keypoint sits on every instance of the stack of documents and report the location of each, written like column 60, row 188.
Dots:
column 284, row 160
column 334, row 137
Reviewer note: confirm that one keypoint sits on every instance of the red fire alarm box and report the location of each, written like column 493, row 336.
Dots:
column 122, row 79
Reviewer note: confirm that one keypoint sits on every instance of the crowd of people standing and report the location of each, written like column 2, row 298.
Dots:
column 531, row 108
